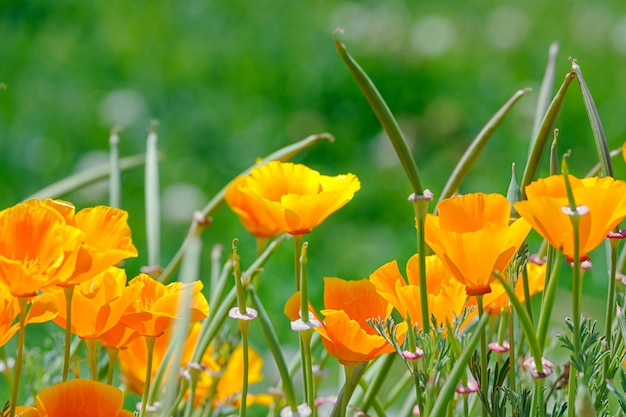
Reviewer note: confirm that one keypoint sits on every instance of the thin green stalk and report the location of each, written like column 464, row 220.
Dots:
column 576, row 288
column 150, row 340
column 348, row 388
column 244, row 325
column 471, row 153
column 377, row 383
column 302, row 278
column 115, row 176
column 610, row 305
column 84, row 178
column 282, row 154
column 512, row 357
column 548, row 300
column 376, row 404
column 596, row 125
column 527, row 300
column 307, row 369
column 348, row 370
column 112, row 354
column 385, row 117
column 538, row 396
column 460, row 367
column 274, row 345
column 543, row 133
column 23, row 301
column 420, row 206
column 545, row 92
column 403, row 382
column 410, row 336
column 525, row 322
column 69, row 293
column 152, row 203
column 92, row 355
column 483, row 354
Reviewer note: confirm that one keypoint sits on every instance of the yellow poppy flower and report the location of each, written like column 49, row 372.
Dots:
column 155, row 307
column 498, row 300
column 602, row 203
column 42, row 309
column 79, row 398
column 286, row 197
column 98, row 303
column 38, row 249
column 346, row 334
column 446, row 296
column 106, row 236
column 472, row 237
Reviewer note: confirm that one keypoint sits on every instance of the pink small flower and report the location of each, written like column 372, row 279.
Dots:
column 416, row 410
column 406, row 354
column 499, row 348
column 548, row 367
column 470, row 388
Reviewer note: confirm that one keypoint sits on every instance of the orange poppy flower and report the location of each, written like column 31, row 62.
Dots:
column 286, row 197
column 79, row 398
column 106, row 236
column 155, row 307
column 472, row 237
column 498, row 300
column 446, row 296
column 98, row 303
column 26, row 411
column 118, row 337
column 38, row 249
column 42, row 309
column 133, row 359
column 602, row 202
column 346, row 334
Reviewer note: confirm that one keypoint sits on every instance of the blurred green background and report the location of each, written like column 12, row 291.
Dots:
column 233, row 81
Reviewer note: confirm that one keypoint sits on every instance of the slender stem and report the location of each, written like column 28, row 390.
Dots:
column 377, row 384
column 150, row 340
column 23, row 301
column 549, row 298
column 69, row 292
column 539, row 397
column 112, row 353
column 527, row 300
column 348, row 370
column 244, row 325
column 420, row 205
column 483, row 354
column 610, row 305
column 272, row 342
column 512, row 359
column 307, row 369
column 92, row 353
column 297, row 239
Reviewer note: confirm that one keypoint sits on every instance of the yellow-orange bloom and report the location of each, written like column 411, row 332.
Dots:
column 79, row 398
column 38, row 249
column 98, row 303
column 346, row 334
column 498, row 300
column 473, row 238
column 156, row 306
column 601, row 202
column 286, row 197
column 106, row 236
column 42, row 309
column 446, row 296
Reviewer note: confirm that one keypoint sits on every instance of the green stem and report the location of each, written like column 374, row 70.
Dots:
column 348, row 370
column 153, row 216
column 385, row 117
column 69, row 293
column 512, row 359
column 377, row 384
column 539, row 397
column 150, row 340
column 460, row 366
column 610, row 305
column 348, row 388
column 483, row 354
column 244, row 325
column 420, row 206
column 297, row 239
column 23, row 301
column 92, row 354
column 526, row 286
column 307, row 369
column 547, row 303
column 272, row 342
column 112, row 353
